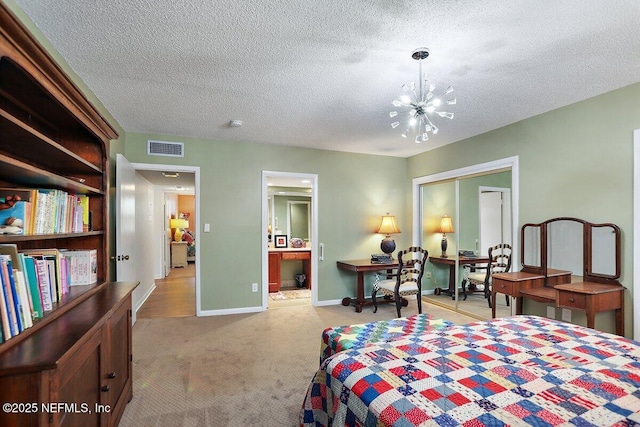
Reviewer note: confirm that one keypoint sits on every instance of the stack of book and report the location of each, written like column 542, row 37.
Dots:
column 34, row 281
column 42, row 211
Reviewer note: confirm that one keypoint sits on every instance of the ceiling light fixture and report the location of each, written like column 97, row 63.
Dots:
column 235, row 123
column 421, row 104
column 170, row 174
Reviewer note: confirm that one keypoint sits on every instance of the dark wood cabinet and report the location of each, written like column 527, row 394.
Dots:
column 73, row 366
column 274, row 271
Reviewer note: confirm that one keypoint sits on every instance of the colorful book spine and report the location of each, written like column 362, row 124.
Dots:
column 16, row 311
column 43, row 280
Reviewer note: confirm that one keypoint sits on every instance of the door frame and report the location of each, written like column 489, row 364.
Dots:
column 196, row 171
column 314, row 232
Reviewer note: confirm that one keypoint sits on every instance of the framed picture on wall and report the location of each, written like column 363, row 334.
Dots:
column 280, row 241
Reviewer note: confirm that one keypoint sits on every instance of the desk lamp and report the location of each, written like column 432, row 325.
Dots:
column 388, row 226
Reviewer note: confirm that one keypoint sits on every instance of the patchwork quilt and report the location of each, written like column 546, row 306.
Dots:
column 342, row 338
column 520, row 370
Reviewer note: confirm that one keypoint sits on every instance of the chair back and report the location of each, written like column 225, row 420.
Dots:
column 500, row 259
column 411, row 264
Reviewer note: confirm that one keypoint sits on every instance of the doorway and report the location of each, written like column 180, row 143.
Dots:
column 289, row 239
column 176, row 291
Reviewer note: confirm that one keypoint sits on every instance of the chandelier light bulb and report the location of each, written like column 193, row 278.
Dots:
column 421, row 103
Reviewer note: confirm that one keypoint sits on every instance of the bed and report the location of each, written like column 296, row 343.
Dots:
column 191, row 245
column 519, row 370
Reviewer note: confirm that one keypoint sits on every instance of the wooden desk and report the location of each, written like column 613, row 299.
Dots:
column 451, row 262
column 360, row 267
column 592, row 298
column 511, row 284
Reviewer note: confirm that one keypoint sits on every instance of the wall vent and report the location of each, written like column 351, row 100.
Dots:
column 165, row 148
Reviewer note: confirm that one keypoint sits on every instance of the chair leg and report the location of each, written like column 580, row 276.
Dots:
column 464, row 289
column 398, row 303
column 506, row 297
column 373, row 299
column 419, row 298
column 487, row 294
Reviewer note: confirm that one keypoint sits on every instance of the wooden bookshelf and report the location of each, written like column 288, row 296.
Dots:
column 51, row 137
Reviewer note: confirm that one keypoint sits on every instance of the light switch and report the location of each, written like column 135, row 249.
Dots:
column 207, row 228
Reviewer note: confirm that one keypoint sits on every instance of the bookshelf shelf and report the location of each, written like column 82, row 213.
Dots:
column 52, row 138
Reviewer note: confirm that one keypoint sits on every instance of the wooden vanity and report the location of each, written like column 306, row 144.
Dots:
column 278, row 255
column 570, row 263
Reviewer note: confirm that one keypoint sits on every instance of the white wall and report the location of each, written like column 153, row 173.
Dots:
column 144, row 235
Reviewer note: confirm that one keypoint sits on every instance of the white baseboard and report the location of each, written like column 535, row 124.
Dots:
column 241, row 310
column 328, row 302
column 144, row 298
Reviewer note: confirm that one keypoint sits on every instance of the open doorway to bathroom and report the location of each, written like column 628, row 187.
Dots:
column 289, row 239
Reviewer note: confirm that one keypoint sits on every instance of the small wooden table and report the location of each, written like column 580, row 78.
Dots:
column 360, row 267
column 451, row 262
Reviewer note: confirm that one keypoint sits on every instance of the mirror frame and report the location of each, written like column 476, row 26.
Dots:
column 587, row 250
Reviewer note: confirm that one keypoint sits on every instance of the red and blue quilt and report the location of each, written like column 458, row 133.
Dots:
column 520, row 370
column 340, row 338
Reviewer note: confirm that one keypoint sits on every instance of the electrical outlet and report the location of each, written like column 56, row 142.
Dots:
column 254, row 287
column 551, row 312
column 566, row 315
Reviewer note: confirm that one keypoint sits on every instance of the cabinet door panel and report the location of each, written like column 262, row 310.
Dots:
column 78, row 386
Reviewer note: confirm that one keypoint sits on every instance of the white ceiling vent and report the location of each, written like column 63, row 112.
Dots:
column 165, row 148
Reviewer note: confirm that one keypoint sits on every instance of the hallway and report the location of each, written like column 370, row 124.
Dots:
column 174, row 296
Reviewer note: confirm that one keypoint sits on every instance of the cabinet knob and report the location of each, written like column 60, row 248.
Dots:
column 572, row 300
column 111, row 375
column 125, row 257
column 105, row 388
column 501, row 286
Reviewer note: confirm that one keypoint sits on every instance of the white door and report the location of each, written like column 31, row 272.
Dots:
column 125, row 219
column 494, row 218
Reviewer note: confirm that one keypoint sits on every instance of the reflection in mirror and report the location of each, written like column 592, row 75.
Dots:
column 531, row 245
column 565, row 246
column 298, row 219
column 603, row 250
column 470, row 198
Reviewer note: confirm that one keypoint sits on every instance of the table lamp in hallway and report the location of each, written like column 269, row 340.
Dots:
column 179, row 224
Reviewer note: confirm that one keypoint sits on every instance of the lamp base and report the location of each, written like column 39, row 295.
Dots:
column 178, row 235
column 388, row 245
column 443, row 246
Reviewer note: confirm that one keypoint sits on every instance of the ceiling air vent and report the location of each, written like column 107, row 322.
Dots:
column 164, row 148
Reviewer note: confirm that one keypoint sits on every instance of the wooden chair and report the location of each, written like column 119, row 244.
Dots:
column 500, row 262
column 407, row 281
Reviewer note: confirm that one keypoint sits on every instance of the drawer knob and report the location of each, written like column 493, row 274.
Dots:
column 111, row 375
column 502, row 286
column 105, row 388
column 572, row 300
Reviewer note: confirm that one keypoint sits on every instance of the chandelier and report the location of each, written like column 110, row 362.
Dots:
column 423, row 104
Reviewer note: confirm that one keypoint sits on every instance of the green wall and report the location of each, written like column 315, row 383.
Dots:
column 574, row 161
column 351, row 199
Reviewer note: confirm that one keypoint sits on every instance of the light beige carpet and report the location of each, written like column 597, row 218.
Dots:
column 290, row 294
column 235, row 370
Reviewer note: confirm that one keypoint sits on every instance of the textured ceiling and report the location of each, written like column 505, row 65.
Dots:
column 323, row 74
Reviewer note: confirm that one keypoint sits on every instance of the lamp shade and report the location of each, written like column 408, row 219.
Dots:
column 178, row 223
column 388, row 225
column 446, row 226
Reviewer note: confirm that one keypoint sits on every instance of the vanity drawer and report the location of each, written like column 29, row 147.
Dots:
column 296, row 255
column 505, row 287
column 567, row 299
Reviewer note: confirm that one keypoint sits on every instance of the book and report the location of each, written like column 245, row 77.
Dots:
column 5, row 315
column 83, row 266
column 13, row 214
column 25, row 299
column 12, row 294
column 43, row 280
column 29, row 268
column 83, row 200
